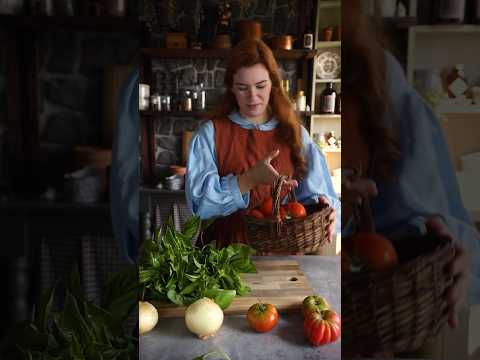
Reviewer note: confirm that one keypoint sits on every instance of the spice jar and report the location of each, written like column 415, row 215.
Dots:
column 308, row 40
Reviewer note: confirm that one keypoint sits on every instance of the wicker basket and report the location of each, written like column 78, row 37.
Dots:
column 399, row 309
column 306, row 234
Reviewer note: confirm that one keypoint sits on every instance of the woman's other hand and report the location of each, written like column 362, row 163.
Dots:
column 331, row 228
column 359, row 188
column 458, row 268
column 262, row 173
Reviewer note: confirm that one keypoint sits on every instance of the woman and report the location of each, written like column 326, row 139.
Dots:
column 392, row 135
column 254, row 136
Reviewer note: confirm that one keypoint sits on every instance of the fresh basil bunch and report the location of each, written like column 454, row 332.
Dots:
column 172, row 269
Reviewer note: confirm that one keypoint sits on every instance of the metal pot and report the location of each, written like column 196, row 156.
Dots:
column 116, row 7
column 249, row 29
column 282, row 42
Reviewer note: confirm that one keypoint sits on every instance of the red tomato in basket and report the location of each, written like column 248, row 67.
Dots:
column 266, row 207
column 256, row 214
column 370, row 250
column 296, row 210
column 283, row 213
column 322, row 327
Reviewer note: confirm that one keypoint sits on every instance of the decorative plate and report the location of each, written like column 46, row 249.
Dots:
column 328, row 65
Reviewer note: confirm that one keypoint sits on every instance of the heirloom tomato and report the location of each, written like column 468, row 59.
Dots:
column 314, row 303
column 322, row 327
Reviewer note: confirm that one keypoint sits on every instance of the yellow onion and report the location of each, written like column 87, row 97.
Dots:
column 204, row 318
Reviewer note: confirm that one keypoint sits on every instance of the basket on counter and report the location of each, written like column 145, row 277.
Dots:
column 305, row 234
column 398, row 309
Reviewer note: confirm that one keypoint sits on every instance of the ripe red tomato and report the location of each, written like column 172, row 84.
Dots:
column 283, row 213
column 266, row 207
column 322, row 327
column 370, row 250
column 314, row 303
column 262, row 317
column 256, row 213
column 296, row 210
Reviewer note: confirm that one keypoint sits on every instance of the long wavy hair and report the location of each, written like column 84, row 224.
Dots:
column 249, row 53
column 363, row 80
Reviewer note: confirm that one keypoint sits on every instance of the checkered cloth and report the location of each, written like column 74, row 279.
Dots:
column 97, row 258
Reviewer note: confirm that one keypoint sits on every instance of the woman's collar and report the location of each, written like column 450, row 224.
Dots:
column 244, row 123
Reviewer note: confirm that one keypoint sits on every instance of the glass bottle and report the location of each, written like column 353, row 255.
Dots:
column 338, row 104
column 450, row 11
column 301, row 101
column 476, row 12
column 328, row 99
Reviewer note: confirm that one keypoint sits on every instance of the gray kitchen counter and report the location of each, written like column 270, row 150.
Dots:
column 171, row 340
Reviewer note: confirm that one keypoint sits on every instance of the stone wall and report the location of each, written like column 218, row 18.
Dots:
column 71, row 92
column 169, row 130
column 71, row 83
column 277, row 17
column 198, row 17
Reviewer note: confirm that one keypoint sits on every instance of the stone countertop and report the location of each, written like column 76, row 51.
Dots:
column 171, row 340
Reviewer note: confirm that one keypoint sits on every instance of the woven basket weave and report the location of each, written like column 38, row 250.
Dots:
column 400, row 308
column 306, row 234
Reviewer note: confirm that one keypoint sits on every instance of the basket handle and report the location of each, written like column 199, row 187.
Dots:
column 362, row 211
column 276, row 196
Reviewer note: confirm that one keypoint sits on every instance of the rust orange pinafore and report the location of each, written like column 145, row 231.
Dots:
column 237, row 150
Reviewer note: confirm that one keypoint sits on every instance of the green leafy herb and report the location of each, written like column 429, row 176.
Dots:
column 82, row 330
column 172, row 269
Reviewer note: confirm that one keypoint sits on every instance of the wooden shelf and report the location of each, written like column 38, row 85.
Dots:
column 322, row 81
column 151, row 190
column 163, row 53
column 457, row 109
column 194, row 114
column 399, row 22
column 176, row 113
column 83, row 23
column 329, row 3
column 436, row 29
column 326, row 116
column 328, row 44
column 331, row 150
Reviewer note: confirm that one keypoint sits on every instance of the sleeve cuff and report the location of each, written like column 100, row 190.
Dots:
column 241, row 201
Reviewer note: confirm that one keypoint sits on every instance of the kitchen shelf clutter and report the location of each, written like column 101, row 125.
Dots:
column 166, row 53
column 448, row 80
column 39, row 49
column 106, row 24
column 325, row 123
column 181, row 81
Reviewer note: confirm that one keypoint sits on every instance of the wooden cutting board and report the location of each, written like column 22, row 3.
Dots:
column 277, row 282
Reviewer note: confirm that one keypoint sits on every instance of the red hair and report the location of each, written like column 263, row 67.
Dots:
column 248, row 53
column 363, row 80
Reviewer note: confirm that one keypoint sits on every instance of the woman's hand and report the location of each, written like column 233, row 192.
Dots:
column 358, row 188
column 458, row 268
column 333, row 216
column 262, row 173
